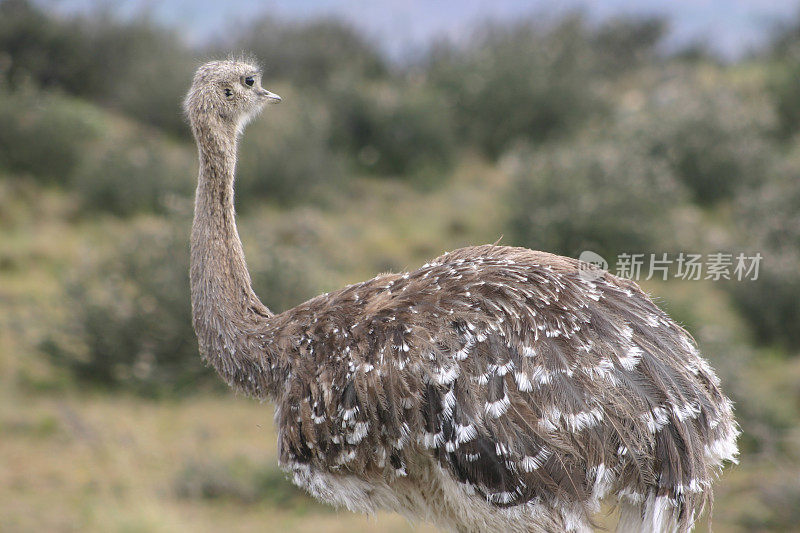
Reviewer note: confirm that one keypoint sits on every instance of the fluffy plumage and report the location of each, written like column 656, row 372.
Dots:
column 507, row 371
column 492, row 389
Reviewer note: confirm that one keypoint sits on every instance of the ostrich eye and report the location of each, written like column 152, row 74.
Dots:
column 249, row 80
column 228, row 92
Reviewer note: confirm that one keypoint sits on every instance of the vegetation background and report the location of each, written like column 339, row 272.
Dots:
column 562, row 136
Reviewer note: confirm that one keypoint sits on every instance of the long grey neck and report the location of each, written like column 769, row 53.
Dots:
column 227, row 314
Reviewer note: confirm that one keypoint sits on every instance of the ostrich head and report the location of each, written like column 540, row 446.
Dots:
column 226, row 94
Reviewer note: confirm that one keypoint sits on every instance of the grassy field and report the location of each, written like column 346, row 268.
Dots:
column 83, row 463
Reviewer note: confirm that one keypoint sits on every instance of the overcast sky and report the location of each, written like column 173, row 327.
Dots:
column 731, row 27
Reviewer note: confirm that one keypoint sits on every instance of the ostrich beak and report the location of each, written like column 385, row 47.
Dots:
column 272, row 98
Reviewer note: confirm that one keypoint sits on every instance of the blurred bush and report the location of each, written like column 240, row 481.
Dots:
column 769, row 223
column 148, row 75
column 518, row 82
column 310, row 53
column 135, row 66
column 129, row 322
column 44, row 136
column 285, row 155
column 591, row 194
column 392, row 128
column 783, row 86
column 109, row 165
column 134, row 175
column 623, row 44
column 714, row 138
column 48, row 50
column 783, row 80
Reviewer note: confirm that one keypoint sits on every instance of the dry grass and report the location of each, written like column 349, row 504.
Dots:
column 101, row 463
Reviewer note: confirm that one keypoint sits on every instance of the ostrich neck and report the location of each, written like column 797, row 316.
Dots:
column 227, row 314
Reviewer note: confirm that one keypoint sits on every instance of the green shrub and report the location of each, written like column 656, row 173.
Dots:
column 783, row 80
column 134, row 176
column 132, row 65
column 590, row 195
column 622, row 44
column 285, row 155
column 518, row 82
column 714, row 138
column 59, row 140
column 129, row 324
column 44, row 135
column 393, row 129
column 769, row 223
column 784, row 89
column 52, row 52
column 157, row 70
column 310, row 53
column 771, row 302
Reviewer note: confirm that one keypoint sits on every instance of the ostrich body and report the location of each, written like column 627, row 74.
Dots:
column 492, row 389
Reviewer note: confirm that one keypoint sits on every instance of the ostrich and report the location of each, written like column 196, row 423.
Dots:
column 492, row 389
